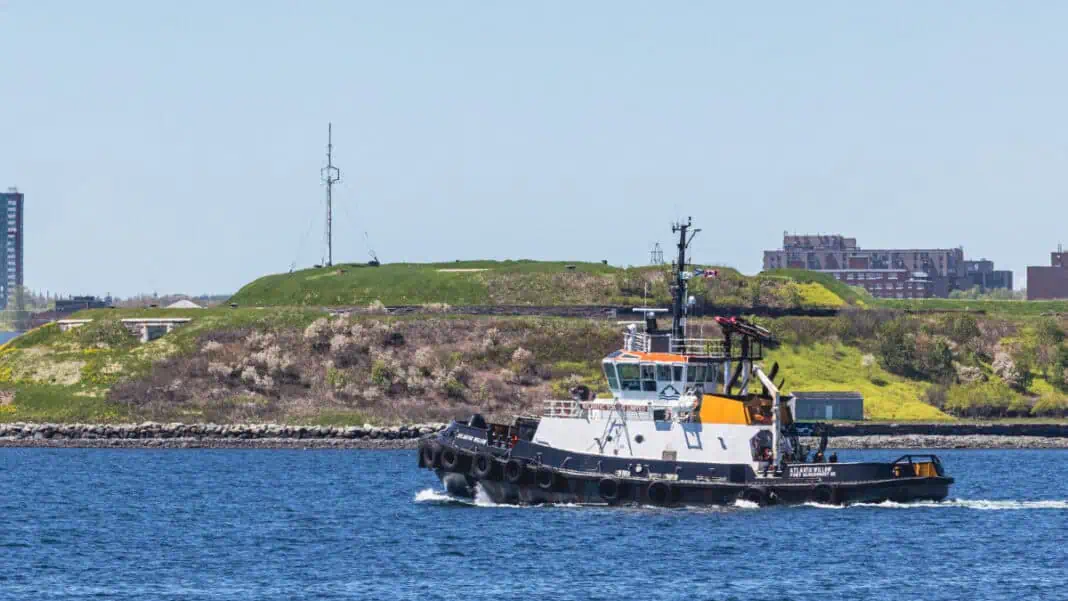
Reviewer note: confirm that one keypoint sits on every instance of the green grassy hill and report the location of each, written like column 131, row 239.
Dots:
column 531, row 283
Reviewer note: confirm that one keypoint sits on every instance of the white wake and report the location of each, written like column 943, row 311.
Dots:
column 978, row 504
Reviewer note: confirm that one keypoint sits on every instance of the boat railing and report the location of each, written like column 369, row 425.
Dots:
column 638, row 342
column 562, row 408
column 699, row 347
column 603, row 408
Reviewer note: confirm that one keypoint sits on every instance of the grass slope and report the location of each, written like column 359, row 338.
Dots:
column 459, row 283
column 831, row 367
column 65, row 376
column 529, row 283
column 848, row 294
column 1000, row 307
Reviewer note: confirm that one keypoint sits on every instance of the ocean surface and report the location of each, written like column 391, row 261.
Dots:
column 5, row 336
column 230, row 524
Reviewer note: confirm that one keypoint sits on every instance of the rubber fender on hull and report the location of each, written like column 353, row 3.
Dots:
column 546, row 478
column 430, row 455
column 660, row 493
column 454, row 460
column 485, row 467
column 609, row 489
column 754, row 495
column 514, row 471
column 823, row 494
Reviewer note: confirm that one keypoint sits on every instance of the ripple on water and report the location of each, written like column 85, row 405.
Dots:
column 214, row 525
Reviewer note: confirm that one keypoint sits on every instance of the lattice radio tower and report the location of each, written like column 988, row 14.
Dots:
column 656, row 255
column 331, row 175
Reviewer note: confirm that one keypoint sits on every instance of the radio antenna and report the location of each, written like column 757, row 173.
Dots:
column 331, row 175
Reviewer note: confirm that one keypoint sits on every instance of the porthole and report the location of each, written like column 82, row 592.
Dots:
column 639, row 438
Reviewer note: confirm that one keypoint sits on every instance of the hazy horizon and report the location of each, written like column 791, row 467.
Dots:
column 176, row 148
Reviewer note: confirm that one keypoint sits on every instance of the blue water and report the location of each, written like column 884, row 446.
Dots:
column 5, row 336
column 198, row 524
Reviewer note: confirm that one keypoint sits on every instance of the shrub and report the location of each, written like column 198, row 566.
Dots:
column 968, row 375
column 860, row 324
column 986, row 399
column 335, row 378
column 491, row 339
column 258, row 341
column 454, row 389
column 1005, row 368
column 523, row 361
column 342, row 349
column 424, row 360
column 935, row 359
column 317, row 334
column 936, row 395
column 897, row 348
column 219, row 370
column 961, row 328
column 1050, row 406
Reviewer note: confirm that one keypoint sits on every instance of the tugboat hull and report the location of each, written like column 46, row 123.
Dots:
column 530, row 474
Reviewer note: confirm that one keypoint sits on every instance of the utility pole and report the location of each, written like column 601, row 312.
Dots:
column 331, row 175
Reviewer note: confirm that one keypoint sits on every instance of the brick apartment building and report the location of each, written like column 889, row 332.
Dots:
column 887, row 283
column 921, row 273
column 1044, row 283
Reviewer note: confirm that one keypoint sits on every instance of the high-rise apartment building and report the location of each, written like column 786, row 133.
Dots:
column 11, row 278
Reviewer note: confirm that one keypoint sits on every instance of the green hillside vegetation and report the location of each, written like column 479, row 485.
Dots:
column 837, row 367
column 849, row 294
column 1001, row 307
column 299, row 365
column 529, row 283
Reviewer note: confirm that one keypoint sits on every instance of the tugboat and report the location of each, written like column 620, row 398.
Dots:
column 685, row 425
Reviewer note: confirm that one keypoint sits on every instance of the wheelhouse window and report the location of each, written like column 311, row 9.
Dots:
column 629, row 376
column 648, row 377
column 696, row 374
column 610, row 375
column 676, row 373
column 663, row 373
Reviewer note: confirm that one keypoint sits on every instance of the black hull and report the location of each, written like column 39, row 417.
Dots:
column 636, row 492
column 531, row 474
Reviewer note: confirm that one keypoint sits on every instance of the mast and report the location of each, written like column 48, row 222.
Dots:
column 678, row 305
column 331, row 175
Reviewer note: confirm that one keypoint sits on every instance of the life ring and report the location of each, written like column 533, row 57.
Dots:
column 514, row 470
column 608, row 489
column 658, row 493
column 823, row 494
column 546, row 478
column 430, row 455
column 484, row 467
column 454, row 460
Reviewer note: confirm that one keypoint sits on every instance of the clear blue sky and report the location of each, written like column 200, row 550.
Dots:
column 176, row 146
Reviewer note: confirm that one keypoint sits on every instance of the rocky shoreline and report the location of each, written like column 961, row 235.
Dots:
column 213, row 436
column 278, row 436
